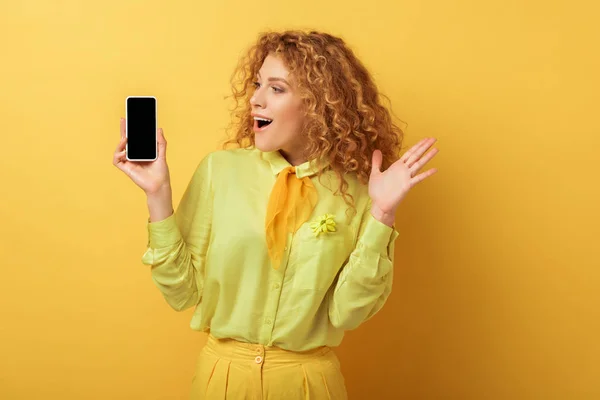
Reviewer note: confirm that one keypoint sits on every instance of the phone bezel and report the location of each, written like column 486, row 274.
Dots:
column 155, row 127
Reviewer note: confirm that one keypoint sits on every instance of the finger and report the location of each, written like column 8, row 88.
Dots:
column 376, row 161
column 419, row 152
column 162, row 144
column 412, row 150
column 423, row 160
column 422, row 176
column 119, row 158
column 122, row 127
column 121, row 145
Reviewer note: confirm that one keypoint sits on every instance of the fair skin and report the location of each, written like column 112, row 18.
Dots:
column 276, row 98
column 388, row 188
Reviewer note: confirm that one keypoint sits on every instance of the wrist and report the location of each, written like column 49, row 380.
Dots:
column 162, row 191
column 387, row 218
column 160, row 204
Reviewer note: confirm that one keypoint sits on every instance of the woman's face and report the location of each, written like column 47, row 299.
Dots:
column 276, row 99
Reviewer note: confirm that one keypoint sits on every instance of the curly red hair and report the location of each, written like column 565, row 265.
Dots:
column 345, row 119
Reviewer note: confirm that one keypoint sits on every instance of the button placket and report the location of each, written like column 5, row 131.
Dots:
column 275, row 280
column 259, row 355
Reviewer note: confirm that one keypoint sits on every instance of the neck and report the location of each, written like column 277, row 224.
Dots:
column 293, row 160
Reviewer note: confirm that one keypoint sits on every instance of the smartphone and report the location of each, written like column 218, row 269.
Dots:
column 140, row 128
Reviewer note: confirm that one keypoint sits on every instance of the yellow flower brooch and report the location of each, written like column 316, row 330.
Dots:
column 323, row 224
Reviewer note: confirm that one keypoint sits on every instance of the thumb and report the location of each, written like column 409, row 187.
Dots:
column 376, row 161
column 162, row 144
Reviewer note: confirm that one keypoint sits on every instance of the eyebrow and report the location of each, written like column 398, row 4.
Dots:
column 276, row 79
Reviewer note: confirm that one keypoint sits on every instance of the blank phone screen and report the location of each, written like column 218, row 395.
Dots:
column 141, row 128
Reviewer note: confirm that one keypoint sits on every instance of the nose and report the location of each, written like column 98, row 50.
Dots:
column 257, row 99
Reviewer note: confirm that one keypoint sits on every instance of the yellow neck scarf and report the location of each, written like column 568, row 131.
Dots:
column 291, row 203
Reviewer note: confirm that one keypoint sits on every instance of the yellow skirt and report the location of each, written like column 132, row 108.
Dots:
column 232, row 370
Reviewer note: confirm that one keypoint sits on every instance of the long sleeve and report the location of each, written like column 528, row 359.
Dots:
column 211, row 255
column 365, row 281
column 177, row 245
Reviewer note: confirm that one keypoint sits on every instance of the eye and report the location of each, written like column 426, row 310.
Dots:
column 277, row 90
column 256, row 84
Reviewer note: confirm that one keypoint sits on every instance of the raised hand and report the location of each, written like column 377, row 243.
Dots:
column 388, row 188
column 149, row 176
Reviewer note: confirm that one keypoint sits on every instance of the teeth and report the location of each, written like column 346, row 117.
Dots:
column 263, row 119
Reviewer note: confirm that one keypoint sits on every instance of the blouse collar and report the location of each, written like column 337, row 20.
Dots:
column 278, row 163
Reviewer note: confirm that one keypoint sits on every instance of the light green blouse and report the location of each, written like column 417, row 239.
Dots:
column 211, row 254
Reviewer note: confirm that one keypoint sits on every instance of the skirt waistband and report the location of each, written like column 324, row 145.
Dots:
column 237, row 350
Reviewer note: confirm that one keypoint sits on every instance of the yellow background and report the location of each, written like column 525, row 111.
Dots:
column 496, row 292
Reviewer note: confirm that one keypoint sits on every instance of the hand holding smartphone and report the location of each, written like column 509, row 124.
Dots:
column 141, row 152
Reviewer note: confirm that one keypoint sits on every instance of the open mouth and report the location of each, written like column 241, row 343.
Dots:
column 262, row 122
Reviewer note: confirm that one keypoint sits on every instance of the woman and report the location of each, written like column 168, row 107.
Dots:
column 258, row 244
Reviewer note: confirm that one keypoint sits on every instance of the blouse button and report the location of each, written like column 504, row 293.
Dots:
column 277, row 286
column 258, row 359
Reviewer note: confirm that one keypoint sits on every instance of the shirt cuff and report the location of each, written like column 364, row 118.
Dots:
column 378, row 236
column 163, row 233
